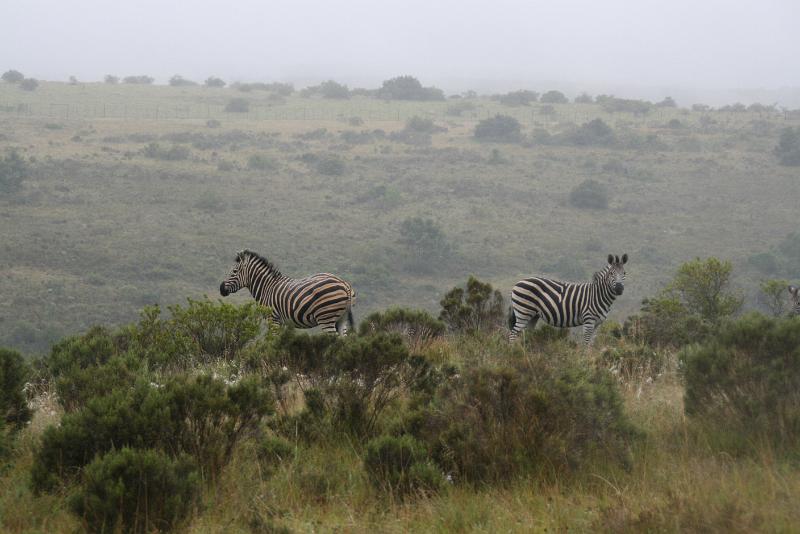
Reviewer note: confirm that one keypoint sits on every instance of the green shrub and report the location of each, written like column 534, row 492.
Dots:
column 553, row 97
column 593, row 133
column 13, row 170
column 425, row 244
column 14, row 374
column 584, row 98
column 400, row 465
column 213, row 81
column 180, row 81
column 272, row 451
column 408, row 88
column 499, row 129
column 772, row 297
column 519, row 98
column 199, row 416
column 138, row 80
column 29, row 84
column 331, row 166
column 111, row 80
column 589, row 194
column 348, row 383
column 237, row 105
column 668, row 102
column 335, row 90
column 472, row 309
column 537, row 417
column 612, row 104
column 744, row 383
column 634, row 362
column 12, row 76
column 418, row 326
column 788, row 149
column 260, row 162
column 133, row 490
column 173, row 153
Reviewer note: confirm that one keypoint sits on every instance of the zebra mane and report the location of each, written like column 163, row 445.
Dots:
column 599, row 275
column 255, row 255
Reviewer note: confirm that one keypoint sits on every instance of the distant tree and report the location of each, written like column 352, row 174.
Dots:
column 788, row 149
column 700, row 107
column 334, row 90
column 773, row 296
column 213, row 81
column 589, row 194
column 73, row 80
column 519, row 98
column 736, row 107
column 593, row 133
column 13, row 170
column 138, row 80
column 554, row 97
column 111, row 80
column 668, row 102
column 612, row 104
column 757, row 107
column 584, row 98
column 180, row 81
column 499, row 129
column 12, row 76
column 703, row 286
column 408, row 88
column 29, row 84
column 238, row 105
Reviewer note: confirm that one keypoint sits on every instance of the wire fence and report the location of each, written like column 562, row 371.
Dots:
column 207, row 111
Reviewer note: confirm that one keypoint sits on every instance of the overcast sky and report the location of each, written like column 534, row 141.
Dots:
column 700, row 45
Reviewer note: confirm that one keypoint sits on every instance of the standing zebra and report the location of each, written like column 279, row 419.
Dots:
column 565, row 304
column 795, row 292
column 321, row 299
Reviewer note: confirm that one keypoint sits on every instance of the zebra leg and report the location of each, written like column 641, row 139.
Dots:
column 329, row 328
column 520, row 323
column 341, row 323
column 588, row 334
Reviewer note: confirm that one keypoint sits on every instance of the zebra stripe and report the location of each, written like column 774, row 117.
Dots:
column 795, row 292
column 321, row 299
column 566, row 304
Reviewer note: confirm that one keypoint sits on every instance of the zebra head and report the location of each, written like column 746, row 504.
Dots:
column 795, row 292
column 613, row 276
column 237, row 278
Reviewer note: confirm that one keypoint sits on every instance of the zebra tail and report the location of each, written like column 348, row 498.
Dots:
column 512, row 319
column 350, row 320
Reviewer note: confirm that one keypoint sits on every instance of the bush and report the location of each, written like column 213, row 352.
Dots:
column 632, row 362
column 589, row 194
column 238, row 105
column 14, row 373
column 499, row 129
column 536, row 417
column 457, row 109
column 180, row 81
column 199, row 416
column 347, row 382
column 260, row 162
column 668, row 102
column 788, row 149
column 593, row 133
column 584, row 98
column 519, row 98
column 744, row 382
column 272, row 451
column 425, row 243
column 111, row 80
column 13, row 170
column 408, row 88
column 213, row 81
column 612, row 104
column 400, row 465
column 331, row 166
column 334, row 90
column 137, row 80
column 173, row 153
column 418, row 326
column 12, row 76
column 28, row 84
column 554, row 97
column 476, row 308
column 772, row 297
column 136, row 491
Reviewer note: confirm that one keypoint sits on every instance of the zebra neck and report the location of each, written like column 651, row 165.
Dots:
column 262, row 283
column 604, row 295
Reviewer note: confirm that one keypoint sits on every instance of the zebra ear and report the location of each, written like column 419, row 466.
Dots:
column 624, row 259
column 793, row 290
column 240, row 255
column 610, row 258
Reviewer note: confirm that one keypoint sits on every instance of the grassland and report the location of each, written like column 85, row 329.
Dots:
column 100, row 229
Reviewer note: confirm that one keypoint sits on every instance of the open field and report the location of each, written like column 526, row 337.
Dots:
column 100, row 229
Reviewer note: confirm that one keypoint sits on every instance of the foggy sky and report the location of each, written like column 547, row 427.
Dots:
column 680, row 45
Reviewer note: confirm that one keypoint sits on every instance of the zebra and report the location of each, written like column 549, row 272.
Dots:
column 565, row 304
column 795, row 292
column 321, row 299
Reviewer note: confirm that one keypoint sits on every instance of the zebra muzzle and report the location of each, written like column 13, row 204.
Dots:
column 223, row 290
column 619, row 288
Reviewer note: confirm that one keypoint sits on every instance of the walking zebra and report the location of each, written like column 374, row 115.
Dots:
column 565, row 304
column 795, row 292
column 321, row 299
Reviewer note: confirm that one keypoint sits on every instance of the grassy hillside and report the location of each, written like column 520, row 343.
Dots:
column 107, row 221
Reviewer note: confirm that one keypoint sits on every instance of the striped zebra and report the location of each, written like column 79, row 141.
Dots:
column 565, row 304
column 321, row 299
column 795, row 292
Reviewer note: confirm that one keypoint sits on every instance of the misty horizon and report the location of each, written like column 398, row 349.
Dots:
column 714, row 53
